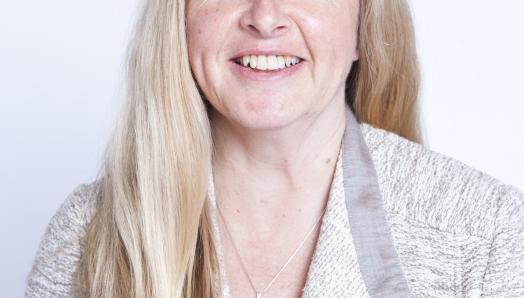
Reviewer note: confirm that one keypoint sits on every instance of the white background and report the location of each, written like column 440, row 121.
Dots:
column 60, row 80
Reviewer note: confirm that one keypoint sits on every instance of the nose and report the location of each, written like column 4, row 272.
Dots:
column 265, row 19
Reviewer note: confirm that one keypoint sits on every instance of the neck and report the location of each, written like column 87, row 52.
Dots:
column 263, row 171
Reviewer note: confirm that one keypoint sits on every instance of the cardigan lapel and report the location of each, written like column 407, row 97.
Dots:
column 355, row 255
column 377, row 257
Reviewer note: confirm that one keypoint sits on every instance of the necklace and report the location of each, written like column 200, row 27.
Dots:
column 259, row 294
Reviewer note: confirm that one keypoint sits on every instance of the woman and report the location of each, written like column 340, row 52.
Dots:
column 272, row 149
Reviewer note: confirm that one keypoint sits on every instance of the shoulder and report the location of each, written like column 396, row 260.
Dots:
column 60, row 247
column 436, row 190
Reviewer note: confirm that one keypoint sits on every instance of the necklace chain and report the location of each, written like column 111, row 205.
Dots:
column 259, row 294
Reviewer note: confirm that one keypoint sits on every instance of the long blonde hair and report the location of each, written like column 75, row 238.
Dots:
column 150, row 234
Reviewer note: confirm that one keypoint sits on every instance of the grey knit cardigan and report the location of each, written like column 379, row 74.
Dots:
column 401, row 221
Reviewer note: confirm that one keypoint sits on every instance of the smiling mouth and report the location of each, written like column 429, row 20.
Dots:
column 270, row 63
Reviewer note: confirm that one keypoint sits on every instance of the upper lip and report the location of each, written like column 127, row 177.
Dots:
column 267, row 52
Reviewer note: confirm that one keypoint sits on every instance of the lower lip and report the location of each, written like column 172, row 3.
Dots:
column 262, row 75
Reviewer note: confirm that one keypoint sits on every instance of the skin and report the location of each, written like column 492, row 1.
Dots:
column 276, row 142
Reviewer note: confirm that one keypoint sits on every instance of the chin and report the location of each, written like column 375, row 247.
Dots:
column 269, row 113
column 267, row 119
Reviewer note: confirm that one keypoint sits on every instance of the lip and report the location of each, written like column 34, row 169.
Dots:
column 247, row 73
column 268, row 52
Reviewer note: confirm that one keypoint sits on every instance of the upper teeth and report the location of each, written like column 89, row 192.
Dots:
column 268, row 62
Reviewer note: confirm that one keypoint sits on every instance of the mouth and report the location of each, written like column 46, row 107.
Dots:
column 267, row 63
column 266, row 68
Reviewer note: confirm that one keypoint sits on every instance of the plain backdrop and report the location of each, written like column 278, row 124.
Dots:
column 61, row 76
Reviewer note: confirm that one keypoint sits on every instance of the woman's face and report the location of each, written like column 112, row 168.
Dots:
column 322, row 33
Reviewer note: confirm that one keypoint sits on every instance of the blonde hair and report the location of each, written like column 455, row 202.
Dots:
column 150, row 235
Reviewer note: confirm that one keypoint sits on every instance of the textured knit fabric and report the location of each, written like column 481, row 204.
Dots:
column 458, row 232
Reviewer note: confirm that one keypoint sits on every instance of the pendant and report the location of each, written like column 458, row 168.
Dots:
column 259, row 295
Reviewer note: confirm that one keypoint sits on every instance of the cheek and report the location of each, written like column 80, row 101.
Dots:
column 344, row 28
column 330, row 30
column 340, row 38
column 202, row 31
column 201, row 37
column 206, row 29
